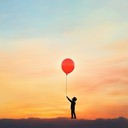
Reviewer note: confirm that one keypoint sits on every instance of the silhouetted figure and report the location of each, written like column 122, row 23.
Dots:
column 73, row 103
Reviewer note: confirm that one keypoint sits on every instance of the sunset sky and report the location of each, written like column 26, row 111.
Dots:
column 35, row 37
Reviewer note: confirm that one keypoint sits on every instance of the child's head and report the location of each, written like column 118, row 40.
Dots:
column 74, row 99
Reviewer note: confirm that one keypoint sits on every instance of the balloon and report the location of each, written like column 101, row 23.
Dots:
column 67, row 65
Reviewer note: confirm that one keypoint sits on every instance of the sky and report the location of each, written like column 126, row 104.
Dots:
column 36, row 36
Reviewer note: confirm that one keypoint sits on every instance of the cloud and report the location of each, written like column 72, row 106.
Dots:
column 120, row 46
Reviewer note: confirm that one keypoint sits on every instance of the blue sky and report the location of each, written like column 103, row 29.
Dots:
column 36, row 18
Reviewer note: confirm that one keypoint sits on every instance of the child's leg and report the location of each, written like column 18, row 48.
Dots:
column 72, row 112
column 74, row 115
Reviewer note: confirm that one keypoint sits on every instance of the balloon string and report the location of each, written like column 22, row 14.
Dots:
column 66, row 84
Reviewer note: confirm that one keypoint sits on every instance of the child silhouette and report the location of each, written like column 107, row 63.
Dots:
column 73, row 103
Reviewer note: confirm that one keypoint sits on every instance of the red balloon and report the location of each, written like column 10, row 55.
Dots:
column 67, row 65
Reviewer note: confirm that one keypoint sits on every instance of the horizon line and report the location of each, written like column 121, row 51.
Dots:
column 64, row 118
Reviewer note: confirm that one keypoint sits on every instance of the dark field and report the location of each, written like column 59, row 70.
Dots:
column 64, row 123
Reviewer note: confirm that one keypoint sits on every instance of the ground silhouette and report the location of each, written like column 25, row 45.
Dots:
column 64, row 123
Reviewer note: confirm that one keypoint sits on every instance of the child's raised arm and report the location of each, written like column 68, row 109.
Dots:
column 69, row 99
